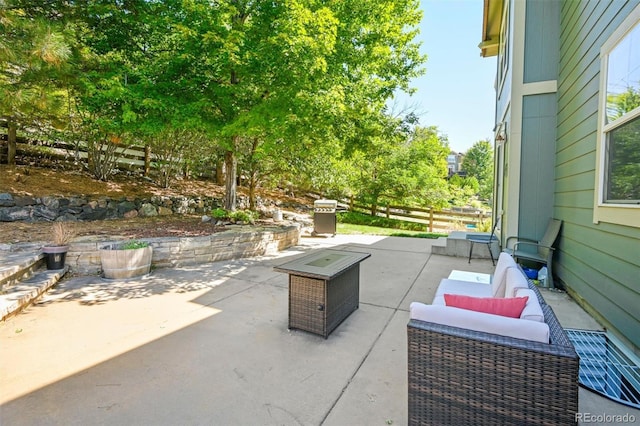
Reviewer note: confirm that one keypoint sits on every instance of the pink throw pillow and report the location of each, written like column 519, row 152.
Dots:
column 505, row 306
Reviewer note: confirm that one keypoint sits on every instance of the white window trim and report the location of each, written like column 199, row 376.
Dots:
column 621, row 214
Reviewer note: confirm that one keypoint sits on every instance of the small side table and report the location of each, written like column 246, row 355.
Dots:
column 324, row 288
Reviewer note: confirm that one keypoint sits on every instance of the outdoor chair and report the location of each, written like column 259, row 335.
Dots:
column 484, row 239
column 523, row 248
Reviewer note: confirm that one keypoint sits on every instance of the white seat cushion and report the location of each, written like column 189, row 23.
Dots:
column 480, row 321
column 466, row 288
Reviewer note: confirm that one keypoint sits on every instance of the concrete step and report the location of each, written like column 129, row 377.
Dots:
column 16, row 266
column 457, row 245
column 24, row 278
column 439, row 246
column 16, row 297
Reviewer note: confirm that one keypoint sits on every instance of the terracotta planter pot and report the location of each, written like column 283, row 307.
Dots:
column 55, row 256
column 125, row 263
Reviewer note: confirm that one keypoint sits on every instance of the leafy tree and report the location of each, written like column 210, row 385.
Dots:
column 320, row 66
column 174, row 150
column 32, row 52
column 403, row 168
column 478, row 163
column 462, row 189
column 261, row 79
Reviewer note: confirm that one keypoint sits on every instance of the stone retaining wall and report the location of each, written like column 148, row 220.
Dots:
column 240, row 241
column 34, row 209
column 50, row 208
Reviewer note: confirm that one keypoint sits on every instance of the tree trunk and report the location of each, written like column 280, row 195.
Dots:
column 220, row 173
column 253, row 177
column 253, row 184
column 12, row 144
column 231, row 168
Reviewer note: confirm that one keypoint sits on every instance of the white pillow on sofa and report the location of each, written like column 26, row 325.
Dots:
column 532, row 310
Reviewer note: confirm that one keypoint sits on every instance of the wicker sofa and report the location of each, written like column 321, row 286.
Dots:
column 459, row 376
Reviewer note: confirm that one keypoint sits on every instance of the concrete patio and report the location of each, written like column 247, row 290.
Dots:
column 209, row 345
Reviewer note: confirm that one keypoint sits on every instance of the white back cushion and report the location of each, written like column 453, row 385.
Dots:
column 505, row 261
column 514, row 280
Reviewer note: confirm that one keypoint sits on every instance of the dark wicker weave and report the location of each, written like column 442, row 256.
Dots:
column 463, row 377
column 319, row 305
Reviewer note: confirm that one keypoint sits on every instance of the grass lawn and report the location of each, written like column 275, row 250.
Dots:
column 348, row 228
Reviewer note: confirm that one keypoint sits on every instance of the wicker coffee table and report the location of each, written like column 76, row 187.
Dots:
column 324, row 288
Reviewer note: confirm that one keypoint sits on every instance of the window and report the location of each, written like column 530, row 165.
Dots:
column 622, row 164
column 618, row 170
column 503, row 52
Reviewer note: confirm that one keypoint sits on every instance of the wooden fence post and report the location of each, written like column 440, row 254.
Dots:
column 388, row 211
column 430, row 219
column 147, row 160
column 12, row 143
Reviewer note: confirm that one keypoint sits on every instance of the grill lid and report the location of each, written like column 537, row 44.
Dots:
column 325, row 204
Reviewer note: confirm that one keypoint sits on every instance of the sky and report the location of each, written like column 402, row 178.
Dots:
column 456, row 92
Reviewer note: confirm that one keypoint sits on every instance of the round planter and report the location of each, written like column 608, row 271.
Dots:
column 125, row 263
column 55, row 256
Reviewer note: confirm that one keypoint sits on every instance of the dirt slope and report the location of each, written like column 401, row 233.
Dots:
column 37, row 182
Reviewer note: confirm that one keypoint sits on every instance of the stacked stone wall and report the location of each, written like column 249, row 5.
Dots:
column 83, row 256
column 79, row 208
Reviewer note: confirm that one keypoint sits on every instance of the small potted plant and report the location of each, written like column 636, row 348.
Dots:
column 126, row 259
column 56, row 252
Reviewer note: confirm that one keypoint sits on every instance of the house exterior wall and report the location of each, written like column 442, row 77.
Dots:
column 542, row 23
column 547, row 100
column 508, row 122
column 537, row 164
column 539, row 108
column 526, row 102
column 599, row 263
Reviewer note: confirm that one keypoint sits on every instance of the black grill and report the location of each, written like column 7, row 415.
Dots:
column 324, row 216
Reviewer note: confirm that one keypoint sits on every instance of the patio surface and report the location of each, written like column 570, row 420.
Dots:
column 209, row 345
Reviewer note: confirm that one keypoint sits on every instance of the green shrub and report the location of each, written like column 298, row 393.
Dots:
column 484, row 226
column 220, row 213
column 243, row 216
column 356, row 218
column 236, row 216
column 133, row 244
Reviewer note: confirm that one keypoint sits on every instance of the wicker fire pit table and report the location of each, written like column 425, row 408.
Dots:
column 324, row 288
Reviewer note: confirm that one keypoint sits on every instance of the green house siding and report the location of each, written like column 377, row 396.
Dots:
column 541, row 41
column 537, row 164
column 598, row 263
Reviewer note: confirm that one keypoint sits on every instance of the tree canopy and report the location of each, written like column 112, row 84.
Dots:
column 286, row 91
column 478, row 163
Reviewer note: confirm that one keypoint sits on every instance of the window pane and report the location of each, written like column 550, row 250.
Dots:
column 623, row 76
column 623, row 163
